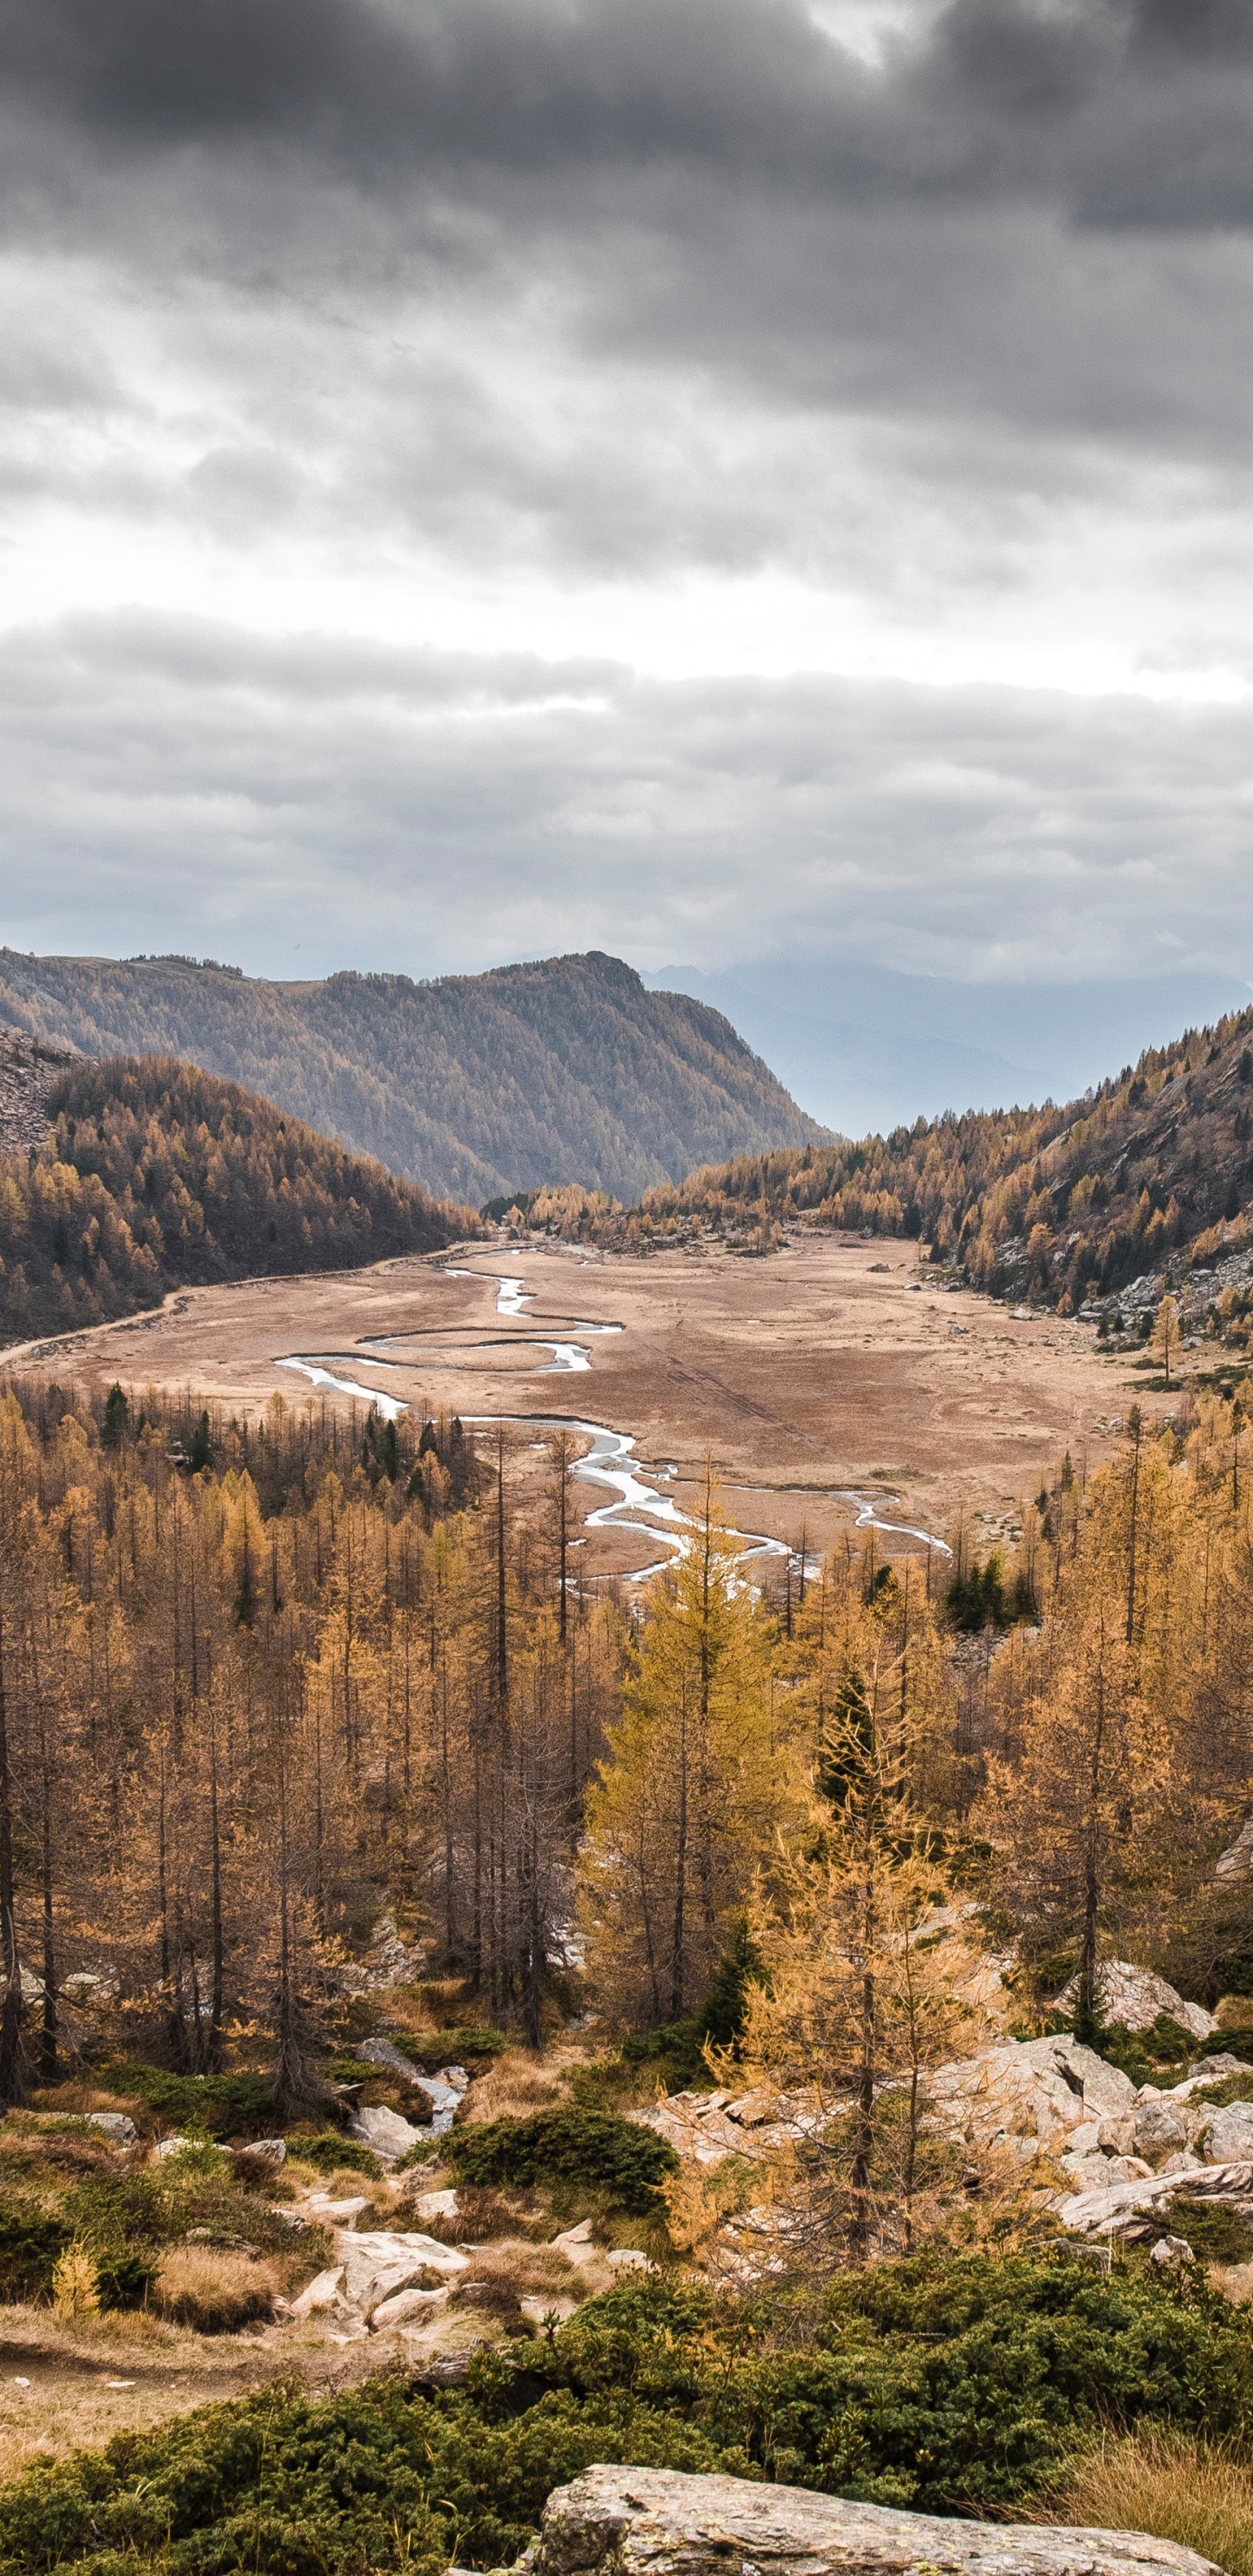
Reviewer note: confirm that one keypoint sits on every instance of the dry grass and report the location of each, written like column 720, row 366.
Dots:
column 69, row 2364
column 1168, row 2484
column 483, row 2214
column 517, row 2083
column 501, row 2276
column 213, row 2292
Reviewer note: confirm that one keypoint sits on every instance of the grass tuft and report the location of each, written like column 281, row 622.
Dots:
column 1166, row 2483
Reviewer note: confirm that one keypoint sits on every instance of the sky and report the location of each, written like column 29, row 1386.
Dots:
column 706, row 479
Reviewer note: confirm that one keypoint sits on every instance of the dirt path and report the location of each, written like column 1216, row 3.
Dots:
column 833, row 1373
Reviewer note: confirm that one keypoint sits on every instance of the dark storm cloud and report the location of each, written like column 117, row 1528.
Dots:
column 1099, row 107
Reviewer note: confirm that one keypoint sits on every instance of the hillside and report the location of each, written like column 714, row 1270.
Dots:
column 1068, row 1205
column 472, row 1086
column 152, row 1176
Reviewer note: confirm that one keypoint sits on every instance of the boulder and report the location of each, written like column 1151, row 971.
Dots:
column 116, row 2125
column 1134, row 1997
column 1159, row 2130
column 384, row 2131
column 376, row 2266
column 404, row 2304
column 433, row 2204
column 319, row 2294
column 1228, row 2134
column 1135, row 2209
column 1237, row 1860
column 633, row 2522
column 263, row 2151
column 435, row 2097
column 1171, row 2250
column 1041, row 2090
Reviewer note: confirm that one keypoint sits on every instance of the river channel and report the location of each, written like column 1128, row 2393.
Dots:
column 609, row 1464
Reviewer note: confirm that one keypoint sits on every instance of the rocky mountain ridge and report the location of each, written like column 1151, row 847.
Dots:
column 471, row 1086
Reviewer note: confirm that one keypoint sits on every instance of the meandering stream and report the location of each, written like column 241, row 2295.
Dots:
column 609, row 1463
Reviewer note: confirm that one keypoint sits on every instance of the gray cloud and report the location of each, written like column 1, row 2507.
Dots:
column 297, row 801
column 344, row 320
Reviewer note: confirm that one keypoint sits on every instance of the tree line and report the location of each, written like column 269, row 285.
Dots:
column 154, row 1176
column 1061, row 1204
column 263, row 1679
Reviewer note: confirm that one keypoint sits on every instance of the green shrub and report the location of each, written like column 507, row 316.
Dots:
column 328, row 2152
column 226, row 2106
column 125, row 2280
column 1217, row 2234
column 30, row 2248
column 451, row 2047
column 958, row 2386
column 589, row 2148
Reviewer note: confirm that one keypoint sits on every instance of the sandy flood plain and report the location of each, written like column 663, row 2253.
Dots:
column 832, row 1376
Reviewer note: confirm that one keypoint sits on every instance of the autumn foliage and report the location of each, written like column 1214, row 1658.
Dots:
column 156, row 1176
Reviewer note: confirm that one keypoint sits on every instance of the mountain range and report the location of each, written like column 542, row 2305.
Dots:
column 472, row 1086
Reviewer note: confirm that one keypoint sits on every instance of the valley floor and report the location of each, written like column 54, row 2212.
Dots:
column 831, row 1377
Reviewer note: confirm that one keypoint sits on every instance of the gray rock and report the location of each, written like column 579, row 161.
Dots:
column 1159, row 2130
column 1135, row 1996
column 383, row 2130
column 1237, row 1860
column 1172, row 2250
column 268, row 2151
column 1229, row 2134
column 635, row 2522
column 116, row 2125
column 435, row 2096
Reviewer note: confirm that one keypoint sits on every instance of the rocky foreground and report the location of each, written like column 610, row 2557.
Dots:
column 661, row 2522
column 1123, row 2153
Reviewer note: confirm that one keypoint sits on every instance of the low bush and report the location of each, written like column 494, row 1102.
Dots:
column 463, row 2047
column 960, row 2385
column 31, row 2246
column 329, row 2153
column 226, row 2106
column 587, row 2148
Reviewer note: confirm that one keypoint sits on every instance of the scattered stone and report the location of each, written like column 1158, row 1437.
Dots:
column 172, row 2147
column 632, row 2522
column 1228, row 2134
column 627, row 2258
column 404, row 2304
column 116, row 2125
column 1172, row 2250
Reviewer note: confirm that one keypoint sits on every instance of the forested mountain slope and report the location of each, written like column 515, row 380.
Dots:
column 1065, row 1203
column 153, row 1175
column 474, row 1085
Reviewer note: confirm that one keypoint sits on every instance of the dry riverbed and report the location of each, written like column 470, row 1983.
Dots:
column 833, row 1377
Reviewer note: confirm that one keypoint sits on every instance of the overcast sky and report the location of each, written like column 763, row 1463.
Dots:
column 692, row 477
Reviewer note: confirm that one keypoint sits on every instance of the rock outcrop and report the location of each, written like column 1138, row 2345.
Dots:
column 662, row 2522
column 1133, row 1998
